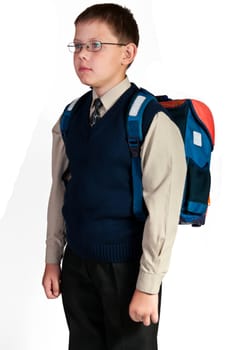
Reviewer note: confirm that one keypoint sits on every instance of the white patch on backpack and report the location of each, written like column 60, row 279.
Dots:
column 197, row 138
column 136, row 105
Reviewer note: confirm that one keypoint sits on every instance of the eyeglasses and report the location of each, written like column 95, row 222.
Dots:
column 91, row 46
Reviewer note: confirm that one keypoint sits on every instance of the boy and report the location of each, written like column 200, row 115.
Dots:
column 113, row 264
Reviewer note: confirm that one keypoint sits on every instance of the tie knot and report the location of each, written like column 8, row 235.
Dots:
column 97, row 104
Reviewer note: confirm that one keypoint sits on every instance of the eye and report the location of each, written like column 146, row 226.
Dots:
column 78, row 46
column 95, row 45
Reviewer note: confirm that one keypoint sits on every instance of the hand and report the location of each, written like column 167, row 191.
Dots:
column 144, row 308
column 51, row 280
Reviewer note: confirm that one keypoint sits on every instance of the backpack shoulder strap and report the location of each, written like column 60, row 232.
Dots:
column 135, row 119
column 66, row 116
column 135, row 138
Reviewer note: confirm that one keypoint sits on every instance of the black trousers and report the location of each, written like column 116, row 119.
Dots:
column 96, row 298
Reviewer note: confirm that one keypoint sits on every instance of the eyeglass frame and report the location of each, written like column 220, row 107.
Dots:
column 73, row 46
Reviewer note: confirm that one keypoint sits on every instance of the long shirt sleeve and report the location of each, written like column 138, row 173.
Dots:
column 55, row 241
column 164, row 171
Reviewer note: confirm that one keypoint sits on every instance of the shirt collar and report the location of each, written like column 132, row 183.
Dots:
column 111, row 96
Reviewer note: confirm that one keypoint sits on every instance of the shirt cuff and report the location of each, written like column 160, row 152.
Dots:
column 54, row 254
column 148, row 282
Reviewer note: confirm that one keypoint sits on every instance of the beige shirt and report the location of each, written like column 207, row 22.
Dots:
column 164, row 170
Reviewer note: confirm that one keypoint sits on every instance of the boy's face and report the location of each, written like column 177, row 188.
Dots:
column 105, row 68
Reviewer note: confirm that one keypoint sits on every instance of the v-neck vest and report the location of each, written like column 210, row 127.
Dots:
column 98, row 201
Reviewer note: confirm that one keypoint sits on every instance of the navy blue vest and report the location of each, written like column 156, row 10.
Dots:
column 98, row 201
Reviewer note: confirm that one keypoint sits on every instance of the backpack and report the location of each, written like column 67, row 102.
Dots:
column 195, row 122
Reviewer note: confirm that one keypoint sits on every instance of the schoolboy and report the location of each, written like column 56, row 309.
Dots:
column 113, row 265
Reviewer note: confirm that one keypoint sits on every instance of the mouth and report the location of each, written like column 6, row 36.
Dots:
column 84, row 69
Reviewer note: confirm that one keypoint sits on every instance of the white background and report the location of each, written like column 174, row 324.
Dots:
column 185, row 51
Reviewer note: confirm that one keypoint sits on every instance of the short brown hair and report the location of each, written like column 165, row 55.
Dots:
column 120, row 19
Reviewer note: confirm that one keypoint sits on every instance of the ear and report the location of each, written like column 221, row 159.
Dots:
column 129, row 53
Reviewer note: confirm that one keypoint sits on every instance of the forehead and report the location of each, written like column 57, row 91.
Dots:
column 94, row 29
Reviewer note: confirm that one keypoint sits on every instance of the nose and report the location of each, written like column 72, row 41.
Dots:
column 83, row 52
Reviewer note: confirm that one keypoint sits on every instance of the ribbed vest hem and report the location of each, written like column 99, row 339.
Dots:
column 114, row 253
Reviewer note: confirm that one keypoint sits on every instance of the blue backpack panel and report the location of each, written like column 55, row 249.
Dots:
column 196, row 125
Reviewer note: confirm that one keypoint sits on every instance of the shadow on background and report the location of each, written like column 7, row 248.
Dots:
column 25, row 312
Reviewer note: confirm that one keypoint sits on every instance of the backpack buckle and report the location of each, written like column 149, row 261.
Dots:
column 134, row 145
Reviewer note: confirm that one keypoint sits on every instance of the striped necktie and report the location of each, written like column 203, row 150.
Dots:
column 96, row 113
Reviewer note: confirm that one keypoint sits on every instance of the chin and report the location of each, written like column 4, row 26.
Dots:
column 84, row 81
